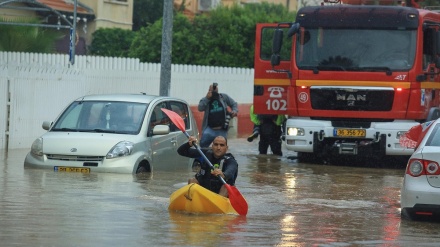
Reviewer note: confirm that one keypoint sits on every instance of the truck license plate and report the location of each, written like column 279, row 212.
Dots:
column 349, row 132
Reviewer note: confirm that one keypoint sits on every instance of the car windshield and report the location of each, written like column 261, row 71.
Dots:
column 102, row 116
column 355, row 49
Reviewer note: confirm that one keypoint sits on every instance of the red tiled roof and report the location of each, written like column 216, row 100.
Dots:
column 62, row 5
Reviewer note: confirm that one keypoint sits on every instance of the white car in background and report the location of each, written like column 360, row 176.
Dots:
column 420, row 193
column 120, row 133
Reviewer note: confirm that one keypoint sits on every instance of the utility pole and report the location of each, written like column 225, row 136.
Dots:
column 73, row 35
column 167, row 40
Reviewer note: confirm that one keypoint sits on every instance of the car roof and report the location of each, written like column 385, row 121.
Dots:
column 141, row 98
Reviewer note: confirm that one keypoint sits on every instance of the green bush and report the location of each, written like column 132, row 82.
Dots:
column 19, row 38
column 223, row 37
column 111, row 42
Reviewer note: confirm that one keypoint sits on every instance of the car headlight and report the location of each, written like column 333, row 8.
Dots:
column 123, row 148
column 37, row 147
column 292, row 131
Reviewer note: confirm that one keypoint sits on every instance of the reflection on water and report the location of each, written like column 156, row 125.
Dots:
column 205, row 230
column 290, row 204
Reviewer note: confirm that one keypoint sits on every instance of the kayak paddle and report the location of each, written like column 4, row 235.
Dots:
column 237, row 200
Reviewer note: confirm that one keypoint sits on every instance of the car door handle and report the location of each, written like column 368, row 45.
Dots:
column 174, row 141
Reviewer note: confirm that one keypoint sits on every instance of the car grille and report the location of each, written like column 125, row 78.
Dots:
column 351, row 99
column 74, row 157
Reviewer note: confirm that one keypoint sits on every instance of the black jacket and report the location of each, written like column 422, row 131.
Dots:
column 227, row 163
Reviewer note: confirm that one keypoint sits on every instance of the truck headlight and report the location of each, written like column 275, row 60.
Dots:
column 37, row 147
column 399, row 134
column 293, row 131
column 123, row 148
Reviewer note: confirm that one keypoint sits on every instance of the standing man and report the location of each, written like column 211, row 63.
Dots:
column 216, row 118
column 269, row 127
column 224, row 164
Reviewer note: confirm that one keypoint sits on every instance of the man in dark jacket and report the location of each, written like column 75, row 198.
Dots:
column 224, row 164
column 216, row 118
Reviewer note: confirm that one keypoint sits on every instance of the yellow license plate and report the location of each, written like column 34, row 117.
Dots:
column 350, row 132
column 71, row 169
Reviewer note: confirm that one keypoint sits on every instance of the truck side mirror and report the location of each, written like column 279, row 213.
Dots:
column 277, row 41
column 293, row 30
column 275, row 59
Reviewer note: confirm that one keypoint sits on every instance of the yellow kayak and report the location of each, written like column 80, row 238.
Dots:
column 193, row 198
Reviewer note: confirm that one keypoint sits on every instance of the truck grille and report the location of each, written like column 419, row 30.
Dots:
column 349, row 99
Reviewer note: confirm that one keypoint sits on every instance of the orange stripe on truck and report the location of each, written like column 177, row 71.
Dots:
column 277, row 82
column 309, row 83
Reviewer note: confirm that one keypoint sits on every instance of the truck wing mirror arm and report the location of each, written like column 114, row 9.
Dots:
column 293, row 30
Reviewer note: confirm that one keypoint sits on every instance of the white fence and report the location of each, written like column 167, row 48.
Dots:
column 37, row 87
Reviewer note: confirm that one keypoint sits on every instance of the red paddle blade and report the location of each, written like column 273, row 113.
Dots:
column 237, row 200
column 175, row 118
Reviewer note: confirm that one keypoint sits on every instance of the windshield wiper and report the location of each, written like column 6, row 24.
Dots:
column 387, row 70
column 104, row 131
column 65, row 129
column 331, row 67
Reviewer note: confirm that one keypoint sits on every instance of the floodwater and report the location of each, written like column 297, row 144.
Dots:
column 290, row 204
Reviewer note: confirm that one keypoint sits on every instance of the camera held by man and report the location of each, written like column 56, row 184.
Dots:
column 216, row 120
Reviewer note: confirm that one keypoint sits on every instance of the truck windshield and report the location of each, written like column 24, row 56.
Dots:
column 355, row 49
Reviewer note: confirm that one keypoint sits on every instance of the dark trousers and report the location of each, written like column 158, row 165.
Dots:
column 270, row 135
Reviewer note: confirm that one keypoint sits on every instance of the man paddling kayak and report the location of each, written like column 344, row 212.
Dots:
column 224, row 164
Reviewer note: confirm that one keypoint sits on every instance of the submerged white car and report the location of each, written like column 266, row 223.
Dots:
column 120, row 133
column 420, row 193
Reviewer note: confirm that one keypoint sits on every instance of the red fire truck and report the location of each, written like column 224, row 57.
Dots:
column 351, row 78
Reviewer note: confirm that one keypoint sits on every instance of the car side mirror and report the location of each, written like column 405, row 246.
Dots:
column 46, row 125
column 161, row 129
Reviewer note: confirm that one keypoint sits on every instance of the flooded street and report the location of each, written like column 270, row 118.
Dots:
column 290, row 204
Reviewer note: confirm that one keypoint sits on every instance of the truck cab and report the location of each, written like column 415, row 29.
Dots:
column 351, row 78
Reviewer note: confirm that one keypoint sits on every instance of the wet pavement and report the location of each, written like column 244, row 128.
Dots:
column 290, row 204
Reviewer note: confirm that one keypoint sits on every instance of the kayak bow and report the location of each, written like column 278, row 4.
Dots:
column 193, row 198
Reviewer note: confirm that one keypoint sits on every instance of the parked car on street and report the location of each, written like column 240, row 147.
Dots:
column 420, row 193
column 120, row 133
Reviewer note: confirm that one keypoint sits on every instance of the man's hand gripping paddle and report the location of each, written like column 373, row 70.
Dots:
column 237, row 200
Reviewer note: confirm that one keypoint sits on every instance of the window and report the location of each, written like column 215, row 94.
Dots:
column 356, row 49
column 182, row 110
column 267, row 41
column 428, row 47
column 103, row 116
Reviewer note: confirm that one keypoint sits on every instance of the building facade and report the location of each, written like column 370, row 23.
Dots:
column 91, row 15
